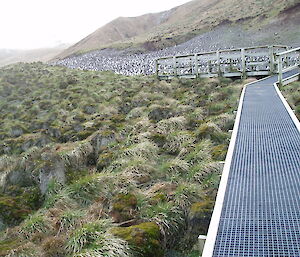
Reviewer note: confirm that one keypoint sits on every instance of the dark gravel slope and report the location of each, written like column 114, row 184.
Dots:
column 227, row 36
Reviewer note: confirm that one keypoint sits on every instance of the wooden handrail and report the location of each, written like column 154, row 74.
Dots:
column 283, row 56
column 289, row 51
column 221, row 51
column 225, row 62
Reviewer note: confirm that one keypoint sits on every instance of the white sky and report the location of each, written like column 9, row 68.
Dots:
column 27, row 24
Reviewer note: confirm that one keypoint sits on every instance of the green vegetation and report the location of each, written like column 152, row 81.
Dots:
column 144, row 238
column 98, row 164
column 292, row 93
column 18, row 202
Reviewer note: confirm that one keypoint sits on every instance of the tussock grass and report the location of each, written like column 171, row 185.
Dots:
column 186, row 194
column 28, row 249
column 147, row 150
column 94, row 239
column 171, row 125
column 202, row 170
column 200, row 152
column 169, row 218
column 69, row 220
column 177, row 141
column 167, row 137
column 176, row 166
column 34, row 224
column 141, row 126
column 6, row 162
column 292, row 94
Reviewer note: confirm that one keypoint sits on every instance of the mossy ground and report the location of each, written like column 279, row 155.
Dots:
column 145, row 238
column 151, row 173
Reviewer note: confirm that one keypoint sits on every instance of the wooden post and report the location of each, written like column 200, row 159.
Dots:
column 230, row 65
column 286, row 61
column 243, row 57
column 196, row 66
column 209, row 66
column 201, row 240
column 280, row 78
column 272, row 59
column 174, row 66
column 157, row 71
column 219, row 63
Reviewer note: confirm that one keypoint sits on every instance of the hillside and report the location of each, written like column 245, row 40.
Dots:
column 10, row 56
column 195, row 18
column 88, row 158
column 120, row 29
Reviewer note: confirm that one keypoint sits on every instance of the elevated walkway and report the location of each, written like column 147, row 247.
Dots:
column 241, row 62
column 257, row 210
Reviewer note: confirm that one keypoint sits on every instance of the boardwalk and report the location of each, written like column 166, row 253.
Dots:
column 241, row 62
column 257, row 211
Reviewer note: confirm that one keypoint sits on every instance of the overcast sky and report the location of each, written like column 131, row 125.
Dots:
column 27, row 24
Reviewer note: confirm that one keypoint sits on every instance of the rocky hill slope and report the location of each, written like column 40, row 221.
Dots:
column 161, row 30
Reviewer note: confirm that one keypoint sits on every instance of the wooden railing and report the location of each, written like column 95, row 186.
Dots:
column 286, row 61
column 241, row 62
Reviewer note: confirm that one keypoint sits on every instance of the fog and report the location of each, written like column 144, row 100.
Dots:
column 36, row 24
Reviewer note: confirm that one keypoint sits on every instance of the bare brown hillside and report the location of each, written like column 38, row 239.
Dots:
column 160, row 30
column 120, row 29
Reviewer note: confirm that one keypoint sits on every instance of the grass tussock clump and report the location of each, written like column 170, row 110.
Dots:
column 116, row 163
column 292, row 93
column 94, row 239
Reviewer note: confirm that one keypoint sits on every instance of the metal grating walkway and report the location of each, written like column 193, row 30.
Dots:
column 261, row 209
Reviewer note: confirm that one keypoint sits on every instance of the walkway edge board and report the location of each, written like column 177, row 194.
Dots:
column 214, row 223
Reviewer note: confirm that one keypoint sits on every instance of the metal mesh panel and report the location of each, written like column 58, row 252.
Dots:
column 261, row 211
